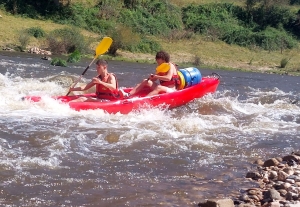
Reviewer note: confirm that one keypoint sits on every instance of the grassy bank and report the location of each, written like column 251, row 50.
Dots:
column 197, row 50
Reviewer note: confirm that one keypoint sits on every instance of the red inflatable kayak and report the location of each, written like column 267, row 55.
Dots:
column 139, row 101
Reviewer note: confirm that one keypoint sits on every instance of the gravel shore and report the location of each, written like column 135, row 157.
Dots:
column 279, row 185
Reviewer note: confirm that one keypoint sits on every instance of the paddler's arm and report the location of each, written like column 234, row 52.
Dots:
column 86, row 87
column 168, row 76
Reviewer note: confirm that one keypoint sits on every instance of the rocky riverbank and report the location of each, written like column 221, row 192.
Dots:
column 279, row 185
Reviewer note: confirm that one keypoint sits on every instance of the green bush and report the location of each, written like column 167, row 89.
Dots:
column 152, row 17
column 144, row 46
column 67, row 40
column 58, row 62
column 87, row 18
column 122, row 37
column 240, row 36
column 284, row 62
column 273, row 16
column 37, row 32
column 232, row 25
column 24, row 39
column 273, row 39
column 74, row 57
column 31, row 9
column 110, row 9
column 200, row 18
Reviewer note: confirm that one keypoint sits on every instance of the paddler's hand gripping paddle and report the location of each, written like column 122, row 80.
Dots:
column 162, row 68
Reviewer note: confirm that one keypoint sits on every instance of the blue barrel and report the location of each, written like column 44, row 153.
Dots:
column 191, row 75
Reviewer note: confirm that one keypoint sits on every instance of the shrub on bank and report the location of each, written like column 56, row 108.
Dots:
column 273, row 39
column 58, row 62
column 284, row 62
column 264, row 27
column 152, row 17
column 144, row 46
column 67, row 40
column 24, row 39
column 124, row 38
column 36, row 32
column 74, row 57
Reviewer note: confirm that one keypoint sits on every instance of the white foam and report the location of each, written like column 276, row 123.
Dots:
column 224, row 114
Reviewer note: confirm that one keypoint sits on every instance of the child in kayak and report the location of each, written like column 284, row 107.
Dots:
column 106, row 84
column 167, row 78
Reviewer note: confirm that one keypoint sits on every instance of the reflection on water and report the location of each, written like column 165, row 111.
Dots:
column 54, row 156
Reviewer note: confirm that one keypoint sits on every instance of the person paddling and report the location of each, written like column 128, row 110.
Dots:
column 168, row 79
column 106, row 84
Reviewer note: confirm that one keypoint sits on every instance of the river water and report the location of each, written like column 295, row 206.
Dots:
column 51, row 155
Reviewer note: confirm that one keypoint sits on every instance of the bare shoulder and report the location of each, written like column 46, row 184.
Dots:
column 173, row 67
column 112, row 76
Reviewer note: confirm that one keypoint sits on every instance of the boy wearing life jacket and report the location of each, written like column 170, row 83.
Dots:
column 106, row 84
column 167, row 78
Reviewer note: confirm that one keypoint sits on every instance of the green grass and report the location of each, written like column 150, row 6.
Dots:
column 12, row 26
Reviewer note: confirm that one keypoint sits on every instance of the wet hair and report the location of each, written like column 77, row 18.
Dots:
column 163, row 55
column 101, row 62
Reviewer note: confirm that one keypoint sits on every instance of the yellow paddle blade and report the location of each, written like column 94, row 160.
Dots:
column 103, row 46
column 163, row 68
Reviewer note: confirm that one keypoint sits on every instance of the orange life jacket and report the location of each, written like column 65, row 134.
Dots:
column 103, row 92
